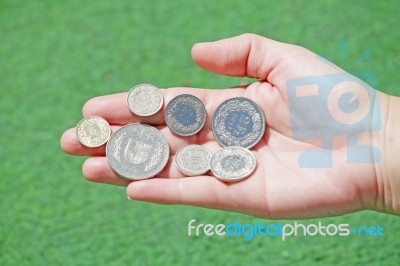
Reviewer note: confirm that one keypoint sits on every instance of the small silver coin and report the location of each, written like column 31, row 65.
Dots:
column 93, row 131
column 232, row 163
column 137, row 151
column 193, row 160
column 145, row 100
column 185, row 115
column 238, row 122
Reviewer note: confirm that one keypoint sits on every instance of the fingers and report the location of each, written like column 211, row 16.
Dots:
column 262, row 93
column 245, row 55
column 114, row 107
column 70, row 144
column 204, row 191
column 96, row 169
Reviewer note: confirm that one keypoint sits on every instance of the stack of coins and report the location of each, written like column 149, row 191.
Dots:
column 138, row 151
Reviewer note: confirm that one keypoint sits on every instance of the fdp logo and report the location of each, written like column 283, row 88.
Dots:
column 326, row 106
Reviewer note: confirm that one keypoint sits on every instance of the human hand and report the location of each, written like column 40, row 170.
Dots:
column 278, row 188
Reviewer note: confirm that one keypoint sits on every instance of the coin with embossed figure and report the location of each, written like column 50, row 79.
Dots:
column 137, row 151
column 93, row 131
column 185, row 115
column 232, row 163
column 238, row 122
column 145, row 100
column 193, row 160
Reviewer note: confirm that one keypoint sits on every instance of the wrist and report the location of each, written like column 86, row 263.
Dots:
column 388, row 169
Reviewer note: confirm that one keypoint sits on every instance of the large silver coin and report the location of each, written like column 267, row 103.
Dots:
column 137, row 151
column 93, row 131
column 185, row 115
column 193, row 160
column 232, row 163
column 144, row 100
column 238, row 122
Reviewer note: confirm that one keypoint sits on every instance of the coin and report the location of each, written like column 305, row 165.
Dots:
column 144, row 100
column 238, row 122
column 137, row 151
column 185, row 115
column 193, row 160
column 232, row 163
column 93, row 131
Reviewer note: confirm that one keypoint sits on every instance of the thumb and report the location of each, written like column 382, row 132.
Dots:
column 248, row 55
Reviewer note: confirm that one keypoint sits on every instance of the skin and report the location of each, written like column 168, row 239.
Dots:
column 278, row 188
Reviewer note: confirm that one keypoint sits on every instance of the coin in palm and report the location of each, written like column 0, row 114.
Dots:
column 137, row 151
column 238, row 122
column 144, row 100
column 93, row 131
column 233, row 163
column 185, row 115
column 193, row 160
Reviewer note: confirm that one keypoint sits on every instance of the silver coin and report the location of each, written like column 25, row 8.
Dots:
column 185, row 115
column 145, row 100
column 93, row 131
column 238, row 122
column 137, row 151
column 232, row 163
column 193, row 160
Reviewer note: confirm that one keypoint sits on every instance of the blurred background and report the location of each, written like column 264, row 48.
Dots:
column 55, row 55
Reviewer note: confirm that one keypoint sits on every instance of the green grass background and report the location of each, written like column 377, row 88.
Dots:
column 55, row 55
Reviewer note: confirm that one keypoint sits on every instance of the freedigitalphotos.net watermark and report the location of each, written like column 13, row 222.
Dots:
column 281, row 230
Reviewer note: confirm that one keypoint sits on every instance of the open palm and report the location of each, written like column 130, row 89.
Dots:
column 278, row 188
